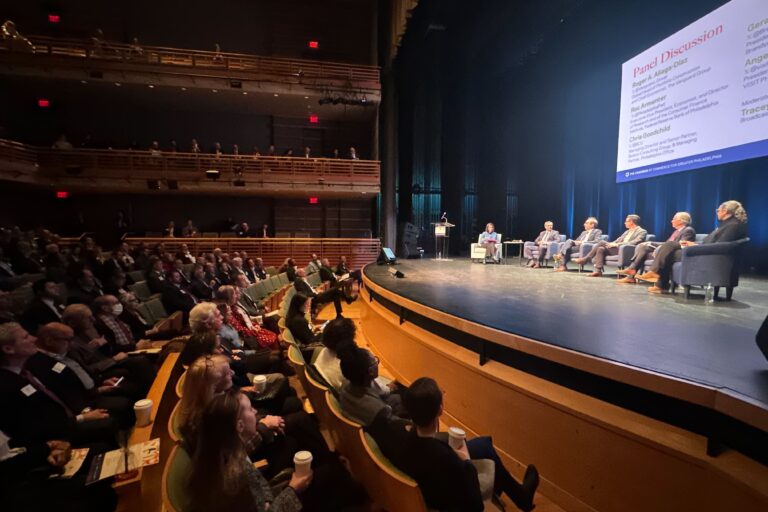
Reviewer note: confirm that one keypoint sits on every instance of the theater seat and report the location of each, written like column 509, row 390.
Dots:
column 176, row 473
column 626, row 253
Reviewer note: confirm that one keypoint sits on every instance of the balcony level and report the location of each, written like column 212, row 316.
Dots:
column 127, row 171
column 84, row 59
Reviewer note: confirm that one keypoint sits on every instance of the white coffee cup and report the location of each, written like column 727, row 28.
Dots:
column 259, row 383
column 260, row 319
column 456, row 437
column 143, row 410
column 302, row 462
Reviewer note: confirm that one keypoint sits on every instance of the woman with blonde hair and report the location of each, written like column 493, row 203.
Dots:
column 205, row 377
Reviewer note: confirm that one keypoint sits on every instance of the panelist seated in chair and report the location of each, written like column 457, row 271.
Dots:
column 683, row 233
column 733, row 226
column 491, row 241
column 537, row 251
column 632, row 236
column 589, row 235
column 449, row 478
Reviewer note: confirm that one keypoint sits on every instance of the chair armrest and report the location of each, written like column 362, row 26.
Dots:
column 713, row 249
column 626, row 252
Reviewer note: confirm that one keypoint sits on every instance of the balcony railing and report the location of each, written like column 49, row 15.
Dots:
column 90, row 53
column 99, row 167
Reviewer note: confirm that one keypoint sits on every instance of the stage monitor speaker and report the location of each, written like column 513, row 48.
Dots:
column 387, row 256
column 762, row 338
column 396, row 273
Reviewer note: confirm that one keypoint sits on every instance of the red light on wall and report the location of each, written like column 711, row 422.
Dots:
column 54, row 18
column 43, row 103
column 314, row 200
column 314, row 45
column 314, row 119
column 62, row 194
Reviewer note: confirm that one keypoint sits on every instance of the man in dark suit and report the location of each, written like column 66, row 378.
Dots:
column 244, row 231
column 733, row 226
column 327, row 274
column 155, row 275
column 683, row 233
column 332, row 295
column 86, row 289
column 200, row 287
column 45, row 307
column 175, row 297
column 589, row 235
column 71, row 382
column 632, row 236
column 542, row 242
column 32, row 412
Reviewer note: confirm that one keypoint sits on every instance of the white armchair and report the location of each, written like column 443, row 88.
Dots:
column 477, row 251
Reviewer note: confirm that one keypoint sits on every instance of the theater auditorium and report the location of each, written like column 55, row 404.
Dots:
column 384, row 256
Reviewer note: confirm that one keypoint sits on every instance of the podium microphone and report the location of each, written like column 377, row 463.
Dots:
column 443, row 217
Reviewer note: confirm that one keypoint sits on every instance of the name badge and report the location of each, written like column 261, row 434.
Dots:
column 58, row 367
column 28, row 390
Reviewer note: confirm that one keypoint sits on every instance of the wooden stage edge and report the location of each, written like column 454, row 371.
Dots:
column 592, row 455
column 726, row 401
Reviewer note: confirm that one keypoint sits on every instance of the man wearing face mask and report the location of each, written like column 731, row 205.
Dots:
column 117, row 333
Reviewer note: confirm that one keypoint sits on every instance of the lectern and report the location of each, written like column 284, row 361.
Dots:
column 442, row 234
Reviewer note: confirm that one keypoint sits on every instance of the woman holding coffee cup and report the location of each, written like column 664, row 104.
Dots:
column 223, row 477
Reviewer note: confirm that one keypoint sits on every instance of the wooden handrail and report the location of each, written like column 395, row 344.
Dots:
column 106, row 164
column 93, row 50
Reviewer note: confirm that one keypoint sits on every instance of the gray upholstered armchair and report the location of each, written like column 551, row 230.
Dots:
column 626, row 253
column 551, row 248
column 584, row 250
column 716, row 264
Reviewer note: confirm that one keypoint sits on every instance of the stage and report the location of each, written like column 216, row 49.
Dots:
column 682, row 361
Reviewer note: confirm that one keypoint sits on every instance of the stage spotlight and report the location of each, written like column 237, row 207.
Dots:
column 395, row 273
column 212, row 174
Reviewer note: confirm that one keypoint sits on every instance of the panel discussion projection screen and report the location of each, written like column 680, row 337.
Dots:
column 698, row 98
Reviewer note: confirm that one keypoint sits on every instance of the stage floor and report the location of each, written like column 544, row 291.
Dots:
column 711, row 345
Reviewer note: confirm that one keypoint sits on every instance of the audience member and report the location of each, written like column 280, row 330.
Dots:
column 222, row 476
column 447, row 476
column 86, row 289
column 73, row 384
column 155, row 275
column 92, row 351
column 45, row 307
column 338, row 336
column 334, row 295
column 189, row 230
column 38, row 414
column 175, row 297
column 200, row 287
column 242, row 322
column 108, row 311
column 362, row 398
column 297, row 323
column 170, row 230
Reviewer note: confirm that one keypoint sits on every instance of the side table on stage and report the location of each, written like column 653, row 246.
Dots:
column 505, row 250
